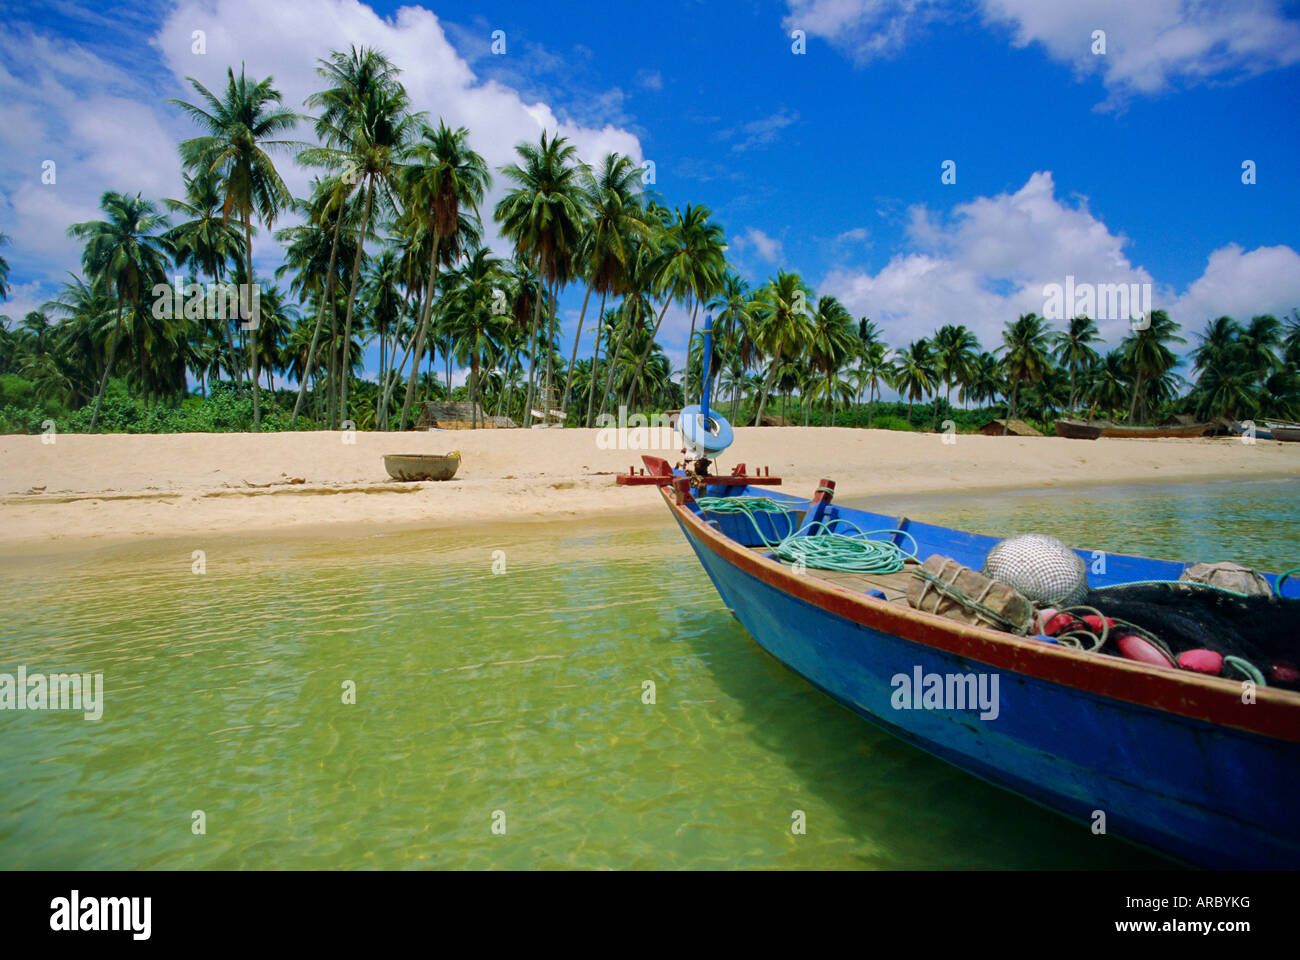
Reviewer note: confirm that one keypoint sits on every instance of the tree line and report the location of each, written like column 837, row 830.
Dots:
column 389, row 251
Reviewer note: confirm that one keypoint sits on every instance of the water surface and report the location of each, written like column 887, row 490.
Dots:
column 516, row 695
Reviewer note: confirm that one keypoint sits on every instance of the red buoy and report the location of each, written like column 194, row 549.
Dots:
column 1284, row 673
column 1201, row 661
column 1094, row 624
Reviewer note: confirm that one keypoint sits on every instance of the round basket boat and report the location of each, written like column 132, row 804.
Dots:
column 422, row 466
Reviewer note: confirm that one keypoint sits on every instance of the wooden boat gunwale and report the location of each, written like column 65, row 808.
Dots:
column 1211, row 700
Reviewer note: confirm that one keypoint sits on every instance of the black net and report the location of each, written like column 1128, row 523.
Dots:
column 1264, row 630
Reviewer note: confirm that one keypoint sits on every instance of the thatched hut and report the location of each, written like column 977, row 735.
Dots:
column 1014, row 428
column 457, row 416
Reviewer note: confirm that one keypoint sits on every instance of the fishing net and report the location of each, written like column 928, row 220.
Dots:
column 1042, row 568
column 1262, row 630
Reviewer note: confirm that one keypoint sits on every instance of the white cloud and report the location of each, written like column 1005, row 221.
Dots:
column 1242, row 283
column 1149, row 44
column 864, row 29
column 766, row 248
column 107, row 129
column 760, row 132
column 989, row 261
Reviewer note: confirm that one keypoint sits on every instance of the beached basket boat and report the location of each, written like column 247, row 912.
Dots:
column 422, row 466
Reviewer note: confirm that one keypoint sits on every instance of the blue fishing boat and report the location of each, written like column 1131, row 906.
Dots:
column 1204, row 769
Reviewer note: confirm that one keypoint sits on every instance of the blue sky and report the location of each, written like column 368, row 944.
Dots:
column 1117, row 167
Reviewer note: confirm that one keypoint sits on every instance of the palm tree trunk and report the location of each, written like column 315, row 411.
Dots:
column 320, row 314
column 392, row 384
column 252, row 340
column 595, row 357
column 103, row 381
column 352, row 300
column 550, row 340
column 651, row 345
column 767, row 386
column 1137, row 389
column 612, row 358
column 573, row 359
column 532, row 356
column 420, row 333
column 686, row 374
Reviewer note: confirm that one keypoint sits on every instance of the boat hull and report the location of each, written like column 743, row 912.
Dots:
column 1137, row 433
column 1077, row 430
column 1197, row 791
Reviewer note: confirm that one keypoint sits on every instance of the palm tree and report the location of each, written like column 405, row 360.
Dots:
column 242, row 126
column 4, row 270
column 366, row 127
column 783, row 327
column 1217, row 344
column 1146, row 350
column 874, row 370
column 385, row 308
column 985, row 382
column 313, row 253
column 915, row 372
column 207, row 242
column 125, row 253
column 612, row 199
column 473, row 325
column 833, row 342
column 1026, row 359
column 446, row 182
column 955, row 350
column 1074, row 351
column 1291, row 339
column 88, row 310
column 637, row 287
column 733, row 318
column 1261, row 339
column 1108, row 383
column 689, row 266
column 543, row 217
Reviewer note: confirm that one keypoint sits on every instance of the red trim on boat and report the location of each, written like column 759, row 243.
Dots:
column 1214, row 700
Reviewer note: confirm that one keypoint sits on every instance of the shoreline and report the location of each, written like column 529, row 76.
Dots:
column 105, row 489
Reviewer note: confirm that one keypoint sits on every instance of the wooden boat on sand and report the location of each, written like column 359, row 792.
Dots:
column 1178, row 762
column 1077, row 430
column 1082, row 430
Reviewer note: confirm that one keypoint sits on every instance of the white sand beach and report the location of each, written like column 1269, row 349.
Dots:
column 88, row 487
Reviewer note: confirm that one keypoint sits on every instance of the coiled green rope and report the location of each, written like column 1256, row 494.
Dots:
column 820, row 547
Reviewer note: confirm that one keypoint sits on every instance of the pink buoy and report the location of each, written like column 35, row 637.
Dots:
column 1045, row 616
column 1201, row 661
column 1136, row 648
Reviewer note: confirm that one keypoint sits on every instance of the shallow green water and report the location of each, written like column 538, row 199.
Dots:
column 477, row 693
